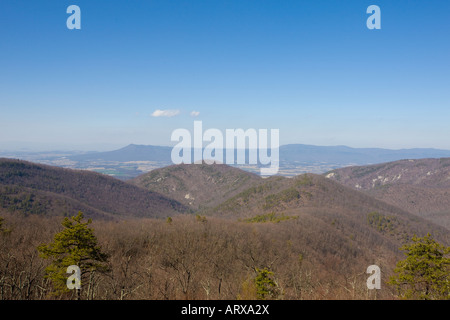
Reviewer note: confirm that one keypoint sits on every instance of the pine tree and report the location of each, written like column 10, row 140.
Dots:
column 76, row 245
column 266, row 287
column 425, row 273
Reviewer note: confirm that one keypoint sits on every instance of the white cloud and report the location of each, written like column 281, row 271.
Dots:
column 165, row 113
column 195, row 113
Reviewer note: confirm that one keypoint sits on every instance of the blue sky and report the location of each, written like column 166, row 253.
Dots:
column 311, row 69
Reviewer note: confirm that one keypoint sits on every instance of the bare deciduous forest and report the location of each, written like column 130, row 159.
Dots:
column 191, row 258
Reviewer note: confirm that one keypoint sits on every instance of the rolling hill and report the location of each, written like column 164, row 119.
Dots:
column 336, row 227
column 419, row 186
column 33, row 188
column 315, row 197
column 197, row 185
column 316, row 234
column 227, row 192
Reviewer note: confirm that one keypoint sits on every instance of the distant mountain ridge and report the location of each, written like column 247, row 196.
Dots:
column 291, row 153
column 131, row 152
column 294, row 159
column 345, row 155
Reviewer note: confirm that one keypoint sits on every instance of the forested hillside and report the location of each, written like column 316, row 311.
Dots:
column 418, row 186
column 31, row 188
column 313, row 237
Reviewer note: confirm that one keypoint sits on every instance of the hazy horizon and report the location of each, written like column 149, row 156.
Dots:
column 312, row 69
column 112, row 147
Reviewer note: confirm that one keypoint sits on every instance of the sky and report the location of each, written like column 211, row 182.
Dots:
column 138, row 70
